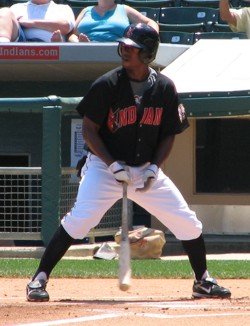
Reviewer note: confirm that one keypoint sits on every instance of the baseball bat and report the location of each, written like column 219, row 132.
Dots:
column 124, row 256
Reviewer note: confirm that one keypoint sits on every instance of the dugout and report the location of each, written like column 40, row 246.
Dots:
column 212, row 157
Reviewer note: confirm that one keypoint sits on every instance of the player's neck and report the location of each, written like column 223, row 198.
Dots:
column 139, row 74
column 106, row 5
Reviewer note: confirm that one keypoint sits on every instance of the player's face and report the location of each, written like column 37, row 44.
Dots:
column 130, row 56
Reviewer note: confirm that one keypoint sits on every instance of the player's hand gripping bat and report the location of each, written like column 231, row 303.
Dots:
column 124, row 256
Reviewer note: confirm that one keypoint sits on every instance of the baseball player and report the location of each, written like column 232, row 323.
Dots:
column 130, row 118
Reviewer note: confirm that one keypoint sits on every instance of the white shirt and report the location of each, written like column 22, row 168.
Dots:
column 48, row 11
column 243, row 20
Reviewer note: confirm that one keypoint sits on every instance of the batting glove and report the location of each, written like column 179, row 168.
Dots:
column 120, row 173
column 149, row 176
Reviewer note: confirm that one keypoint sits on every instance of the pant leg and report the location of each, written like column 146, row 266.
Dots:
column 164, row 201
column 98, row 191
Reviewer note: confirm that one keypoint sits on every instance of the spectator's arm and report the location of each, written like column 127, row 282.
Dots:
column 74, row 36
column 226, row 14
column 136, row 17
column 48, row 25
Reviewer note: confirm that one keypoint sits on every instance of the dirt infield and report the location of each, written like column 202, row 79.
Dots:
column 100, row 302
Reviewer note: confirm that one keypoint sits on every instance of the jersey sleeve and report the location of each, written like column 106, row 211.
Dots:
column 174, row 119
column 96, row 102
column 242, row 18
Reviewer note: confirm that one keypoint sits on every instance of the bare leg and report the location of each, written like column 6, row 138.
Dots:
column 8, row 26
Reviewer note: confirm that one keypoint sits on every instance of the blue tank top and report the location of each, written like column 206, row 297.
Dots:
column 107, row 28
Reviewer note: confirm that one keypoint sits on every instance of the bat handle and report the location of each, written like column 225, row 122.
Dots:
column 126, row 206
column 124, row 190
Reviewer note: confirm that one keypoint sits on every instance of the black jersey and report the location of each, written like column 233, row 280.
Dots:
column 131, row 134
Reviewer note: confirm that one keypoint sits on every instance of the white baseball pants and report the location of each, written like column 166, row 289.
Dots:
column 98, row 191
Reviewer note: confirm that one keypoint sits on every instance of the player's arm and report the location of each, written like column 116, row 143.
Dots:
column 226, row 14
column 97, row 146
column 94, row 141
column 163, row 150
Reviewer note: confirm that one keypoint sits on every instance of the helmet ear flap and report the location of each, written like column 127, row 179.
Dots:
column 145, row 56
column 148, row 53
column 119, row 51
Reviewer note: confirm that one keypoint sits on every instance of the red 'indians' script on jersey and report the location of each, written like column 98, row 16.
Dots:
column 127, row 116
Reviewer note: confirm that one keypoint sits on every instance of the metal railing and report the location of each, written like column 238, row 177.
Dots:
column 21, row 204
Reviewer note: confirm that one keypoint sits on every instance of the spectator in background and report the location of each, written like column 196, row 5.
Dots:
column 106, row 22
column 238, row 19
column 10, row 30
column 36, row 21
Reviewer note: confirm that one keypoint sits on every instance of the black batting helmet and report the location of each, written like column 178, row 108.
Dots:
column 143, row 37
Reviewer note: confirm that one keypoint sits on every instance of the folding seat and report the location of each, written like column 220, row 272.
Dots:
column 243, row 3
column 12, row 2
column 77, row 10
column 220, row 25
column 219, row 35
column 80, row 3
column 150, row 12
column 176, row 37
column 6, row 3
column 234, row 3
column 150, row 3
column 188, row 19
column 200, row 3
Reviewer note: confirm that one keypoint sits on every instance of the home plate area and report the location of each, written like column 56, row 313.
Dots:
column 100, row 302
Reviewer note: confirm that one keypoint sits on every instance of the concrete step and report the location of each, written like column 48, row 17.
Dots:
column 215, row 244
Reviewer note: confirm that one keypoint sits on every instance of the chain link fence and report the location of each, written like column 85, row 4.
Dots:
column 21, row 204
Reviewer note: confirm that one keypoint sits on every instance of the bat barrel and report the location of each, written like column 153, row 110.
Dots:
column 124, row 256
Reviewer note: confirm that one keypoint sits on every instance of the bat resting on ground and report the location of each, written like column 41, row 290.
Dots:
column 124, row 256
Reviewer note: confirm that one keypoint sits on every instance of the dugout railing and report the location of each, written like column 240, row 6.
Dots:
column 21, row 204
column 33, row 199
